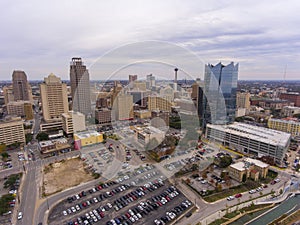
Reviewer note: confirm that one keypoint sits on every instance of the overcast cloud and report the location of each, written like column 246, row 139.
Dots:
column 41, row 37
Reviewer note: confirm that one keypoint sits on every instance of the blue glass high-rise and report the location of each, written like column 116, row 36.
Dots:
column 220, row 85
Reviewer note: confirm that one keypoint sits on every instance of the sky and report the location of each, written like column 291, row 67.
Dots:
column 117, row 38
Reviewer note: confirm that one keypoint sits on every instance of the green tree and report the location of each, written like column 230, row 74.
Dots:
column 4, row 155
column 224, row 161
column 42, row 136
column 28, row 137
column 2, row 147
column 219, row 187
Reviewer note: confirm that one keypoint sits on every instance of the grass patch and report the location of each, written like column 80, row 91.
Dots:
column 215, row 196
column 232, row 214
column 218, row 221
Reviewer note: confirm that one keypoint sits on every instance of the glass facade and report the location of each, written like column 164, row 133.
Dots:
column 220, row 85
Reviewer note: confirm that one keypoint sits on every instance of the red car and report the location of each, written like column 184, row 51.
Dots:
column 238, row 195
column 273, row 182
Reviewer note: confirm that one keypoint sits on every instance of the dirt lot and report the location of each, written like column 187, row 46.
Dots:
column 64, row 174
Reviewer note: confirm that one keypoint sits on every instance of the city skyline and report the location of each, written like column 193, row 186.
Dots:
column 258, row 35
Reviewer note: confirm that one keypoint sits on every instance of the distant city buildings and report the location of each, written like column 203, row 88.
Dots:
column 251, row 140
column 243, row 100
column 80, row 86
column 150, row 81
column 132, row 78
column 220, row 85
column 292, row 97
column 162, row 103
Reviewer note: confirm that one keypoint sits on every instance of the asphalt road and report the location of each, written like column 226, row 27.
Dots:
column 29, row 194
column 205, row 209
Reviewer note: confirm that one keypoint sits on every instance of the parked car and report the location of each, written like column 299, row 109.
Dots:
column 20, row 215
column 230, row 198
column 238, row 195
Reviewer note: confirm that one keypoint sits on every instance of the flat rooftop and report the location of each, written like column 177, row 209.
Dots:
column 87, row 134
column 257, row 162
column 240, row 166
column 262, row 134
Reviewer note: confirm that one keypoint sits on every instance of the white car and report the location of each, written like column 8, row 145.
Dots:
column 20, row 215
column 252, row 191
column 230, row 198
column 95, row 200
column 65, row 213
column 259, row 189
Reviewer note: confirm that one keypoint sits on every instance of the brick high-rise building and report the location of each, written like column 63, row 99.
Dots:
column 292, row 97
column 21, row 87
column 80, row 86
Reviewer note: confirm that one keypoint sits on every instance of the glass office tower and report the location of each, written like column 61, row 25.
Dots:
column 220, row 85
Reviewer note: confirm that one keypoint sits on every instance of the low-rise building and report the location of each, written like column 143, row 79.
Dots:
column 54, row 146
column 86, row 138
column 142, row 114
column 51, row 126
column 289, row 125
column 144, row 134
column 248, row 168
column 251, row 140
column 289, row 111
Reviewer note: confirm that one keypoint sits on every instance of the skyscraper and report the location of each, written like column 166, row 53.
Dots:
column 80, row 87
column 54, row 98
column 123, row 106
column 220, row 84
column 150, row 81
column 132, row 78
column 21, row 87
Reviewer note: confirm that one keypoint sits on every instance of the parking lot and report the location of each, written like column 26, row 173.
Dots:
column 8, row 188
column 98, row 157
column 140, row 197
